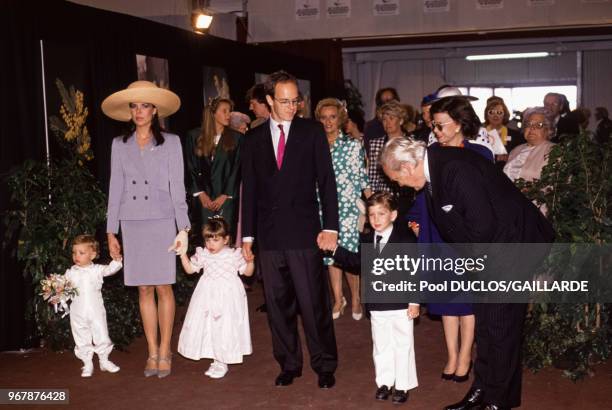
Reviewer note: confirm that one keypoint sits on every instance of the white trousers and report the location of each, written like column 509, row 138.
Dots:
column 393, row 337
column 90, row 332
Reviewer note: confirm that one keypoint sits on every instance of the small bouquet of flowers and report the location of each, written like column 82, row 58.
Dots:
column 57, row 291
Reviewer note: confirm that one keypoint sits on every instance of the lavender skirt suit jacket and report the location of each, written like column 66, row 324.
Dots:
column 147, row 200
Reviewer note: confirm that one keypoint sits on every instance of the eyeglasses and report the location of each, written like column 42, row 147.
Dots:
column 495, row 112
column 534, row 125
column 440, row 125
column 287, row 103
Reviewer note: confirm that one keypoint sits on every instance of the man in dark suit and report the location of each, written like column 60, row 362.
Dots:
column 284, row 161
column 565, row 124
column 471, row 201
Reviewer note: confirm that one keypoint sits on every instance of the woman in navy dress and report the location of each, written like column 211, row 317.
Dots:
column 456, row 317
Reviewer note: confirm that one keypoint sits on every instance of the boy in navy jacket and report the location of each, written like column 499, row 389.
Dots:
column 392, row 323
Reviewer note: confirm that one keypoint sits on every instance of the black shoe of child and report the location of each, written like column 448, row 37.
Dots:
column 399, row 396
column 382, row 393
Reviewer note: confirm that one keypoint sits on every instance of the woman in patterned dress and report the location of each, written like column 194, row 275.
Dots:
column 348, row 158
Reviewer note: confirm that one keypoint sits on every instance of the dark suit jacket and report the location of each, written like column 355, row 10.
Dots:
column 352, row 260
column 567, row 125
column 280, row 207
column 486, row 206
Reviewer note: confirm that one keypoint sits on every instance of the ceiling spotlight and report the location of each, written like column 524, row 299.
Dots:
column 507, row 56
column 202, row 21
column 201, row 17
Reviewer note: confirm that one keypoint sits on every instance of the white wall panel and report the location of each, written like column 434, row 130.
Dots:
column 597, row 80
column 274, row 20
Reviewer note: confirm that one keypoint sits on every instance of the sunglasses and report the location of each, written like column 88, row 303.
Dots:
column 495, row 112
column 440, row 125
column 535, row 125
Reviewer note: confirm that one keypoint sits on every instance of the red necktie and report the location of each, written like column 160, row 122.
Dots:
column 280, row 152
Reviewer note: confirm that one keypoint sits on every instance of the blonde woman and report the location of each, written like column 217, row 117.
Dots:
column 213, row 162
column 348, row 159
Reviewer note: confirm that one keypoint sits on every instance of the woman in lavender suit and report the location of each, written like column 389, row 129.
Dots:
column 147, row 201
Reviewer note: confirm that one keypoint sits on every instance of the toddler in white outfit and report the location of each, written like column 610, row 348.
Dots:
column 217, row 322
column 87, row 313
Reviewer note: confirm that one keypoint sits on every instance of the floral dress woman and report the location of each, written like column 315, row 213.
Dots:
column 348, row 158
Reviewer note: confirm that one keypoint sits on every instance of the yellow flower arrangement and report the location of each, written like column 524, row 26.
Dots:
column 74, row 126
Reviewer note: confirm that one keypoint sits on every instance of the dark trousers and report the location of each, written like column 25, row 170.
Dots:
column 498, row 368
column 295, row 282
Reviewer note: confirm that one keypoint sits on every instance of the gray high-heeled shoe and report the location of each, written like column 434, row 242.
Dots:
column 166, row 372
column 148, row 372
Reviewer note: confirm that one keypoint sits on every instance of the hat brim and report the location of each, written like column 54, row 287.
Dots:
column 117, row 105
column 467, row 97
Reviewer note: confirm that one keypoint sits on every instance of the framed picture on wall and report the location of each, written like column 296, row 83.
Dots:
column 215, row 84
column 154, row 69
column 305, row 109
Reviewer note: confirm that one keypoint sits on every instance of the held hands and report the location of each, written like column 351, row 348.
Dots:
column 180, row 243
column 327, row 241
column 414, row 311
column 114, row 247
column 247, row 251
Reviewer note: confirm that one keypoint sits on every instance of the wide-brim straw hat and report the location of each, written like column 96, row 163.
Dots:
column 117, row 105
column 452, row 92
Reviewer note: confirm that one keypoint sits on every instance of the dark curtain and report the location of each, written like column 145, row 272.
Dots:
column 21, row 137
column 325, row 51
column 95, row 51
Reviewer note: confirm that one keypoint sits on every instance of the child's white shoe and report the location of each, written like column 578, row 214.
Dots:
column 211, row 369
column 87, row 369
column 108, row 366
column 219, row 370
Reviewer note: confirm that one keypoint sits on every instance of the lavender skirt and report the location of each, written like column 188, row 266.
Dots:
column 146, row 260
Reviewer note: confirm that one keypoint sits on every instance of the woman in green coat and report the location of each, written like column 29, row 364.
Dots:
column 213, row 163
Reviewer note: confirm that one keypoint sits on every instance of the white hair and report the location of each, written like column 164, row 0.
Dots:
column 401, row 150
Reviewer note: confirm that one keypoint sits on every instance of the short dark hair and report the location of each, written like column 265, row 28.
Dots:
column 602, row 111
column 379, row 93
column 384, row 198
column 461, row 111
column 215, row 227
column 257, row 92
column 357, row 117
column 276, row 78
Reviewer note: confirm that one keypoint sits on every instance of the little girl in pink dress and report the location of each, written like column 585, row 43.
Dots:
column 217, row 322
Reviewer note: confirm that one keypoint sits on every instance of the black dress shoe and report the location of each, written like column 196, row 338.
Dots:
column 382, row 393
column 471, row 401
column 285, row 378
column 465, row 377
column 399, row 396
column 326, row 380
